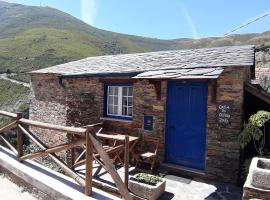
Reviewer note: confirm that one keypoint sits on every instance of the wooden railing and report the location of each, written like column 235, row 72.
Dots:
column 87, row 139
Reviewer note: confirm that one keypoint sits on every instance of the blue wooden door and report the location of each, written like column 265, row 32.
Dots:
column 186, row 124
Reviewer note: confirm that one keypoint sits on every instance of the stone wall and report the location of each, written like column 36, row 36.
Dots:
column 222, row 155
column 48, row 104
column 251, row 193
column 81, row 103
column 85, row 106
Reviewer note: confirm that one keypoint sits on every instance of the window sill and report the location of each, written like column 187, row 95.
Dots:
column 116, row 120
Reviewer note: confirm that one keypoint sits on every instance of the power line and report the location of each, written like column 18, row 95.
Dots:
column 248, row 23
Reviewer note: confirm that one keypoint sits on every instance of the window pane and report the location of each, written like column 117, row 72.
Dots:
column 124, row 101
column 129, row 111
column 110, row 99
column 110, row 90
column 115, row 100
column 115, row 110
column 130, row 91
column 125, row 91
column 124, row 110
column 110, row 109
column 130, row 101
column 115, row 90
column 120, row 104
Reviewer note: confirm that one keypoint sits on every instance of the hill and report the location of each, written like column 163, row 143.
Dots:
column 37, row 37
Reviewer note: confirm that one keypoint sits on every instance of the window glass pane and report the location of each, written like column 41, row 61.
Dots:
column 115, row 90
column 115, row 110
column 130, row 101
column 125, row 91
column 124, row 110
column 129, row 111
column 130, row 91
column 110, row 90
column 121, row 104
column 124, row 101
column 110, row 99
column 115, row 100
column 110, row 109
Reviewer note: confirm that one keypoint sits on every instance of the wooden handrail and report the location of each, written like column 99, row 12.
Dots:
column 90, row 142
column 8, row 114
column 69, row 130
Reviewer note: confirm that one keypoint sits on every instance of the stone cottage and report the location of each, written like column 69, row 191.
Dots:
column 191, row 99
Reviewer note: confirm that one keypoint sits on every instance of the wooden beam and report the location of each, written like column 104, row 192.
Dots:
column 126, row 159
column 8, row 114
column 8, row 127
column 213, row 90
column 92, row 125
column 55, row 149
column 79, row 157
column 71, row 130
column 72, row 152
column 96, row 156
column 117, row 80
column 259, row 93
column 109, row 167
column 89, row 164
column 59, row 162
column 9, row 145
column 19, row 139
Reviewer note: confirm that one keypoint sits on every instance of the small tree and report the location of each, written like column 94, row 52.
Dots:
column 254, row 131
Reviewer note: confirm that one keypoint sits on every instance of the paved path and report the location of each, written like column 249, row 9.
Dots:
column 5, row 77
column 186, row 189
column 177, row 188
column 10, row 191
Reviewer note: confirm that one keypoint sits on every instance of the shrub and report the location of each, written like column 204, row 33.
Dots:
column 147, row 178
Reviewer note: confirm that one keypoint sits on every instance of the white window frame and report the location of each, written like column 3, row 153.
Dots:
column 120, row 101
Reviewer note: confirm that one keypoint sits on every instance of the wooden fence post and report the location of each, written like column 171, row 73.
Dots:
column 72, row 152
column 89, row 162
column 126, row 159
column 19, row 138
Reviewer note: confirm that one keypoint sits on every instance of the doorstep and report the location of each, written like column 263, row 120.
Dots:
column 181, row 171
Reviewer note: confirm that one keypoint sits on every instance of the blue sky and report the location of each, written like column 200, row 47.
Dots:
column 166, row 19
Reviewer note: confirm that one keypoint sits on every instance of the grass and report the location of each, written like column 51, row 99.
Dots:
column 13, row 98
column 12, row 95
column 22, row 77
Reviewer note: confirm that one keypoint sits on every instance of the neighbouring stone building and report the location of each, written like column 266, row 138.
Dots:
column 191, row 99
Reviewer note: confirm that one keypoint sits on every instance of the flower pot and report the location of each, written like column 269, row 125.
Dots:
column 150, row 192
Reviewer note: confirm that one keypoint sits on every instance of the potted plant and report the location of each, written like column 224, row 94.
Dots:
column 147, row 186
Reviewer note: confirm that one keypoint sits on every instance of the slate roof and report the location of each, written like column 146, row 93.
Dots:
column 208, row 73
column 205, row 62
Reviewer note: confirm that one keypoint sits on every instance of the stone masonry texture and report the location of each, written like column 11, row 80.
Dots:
column 79, row 101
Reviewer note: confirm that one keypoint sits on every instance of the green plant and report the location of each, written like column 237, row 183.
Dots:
column 255, row 130
column 147, row 178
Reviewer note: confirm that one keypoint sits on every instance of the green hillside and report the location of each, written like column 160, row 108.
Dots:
column 38, row 37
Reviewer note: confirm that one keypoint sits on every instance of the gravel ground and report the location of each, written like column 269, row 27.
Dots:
column 10, row 191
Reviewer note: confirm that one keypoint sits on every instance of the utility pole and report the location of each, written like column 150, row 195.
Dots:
column 40, row 3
